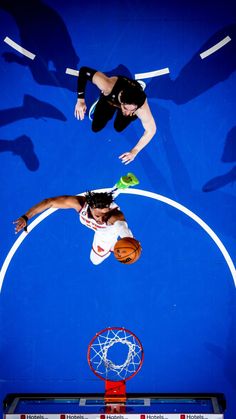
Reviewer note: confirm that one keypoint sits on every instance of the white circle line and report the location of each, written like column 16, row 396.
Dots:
column 141, row 192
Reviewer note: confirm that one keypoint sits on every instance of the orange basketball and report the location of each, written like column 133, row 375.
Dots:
column 127, row 250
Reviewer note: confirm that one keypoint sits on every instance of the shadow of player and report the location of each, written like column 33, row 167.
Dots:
column 24, row 148
column 23, row 145
column 198, row 75
column 31, row 108
column 229, row 156
column 43, row 32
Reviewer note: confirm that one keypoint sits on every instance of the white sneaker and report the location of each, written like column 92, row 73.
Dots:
column 91, row 110
column 142, row 84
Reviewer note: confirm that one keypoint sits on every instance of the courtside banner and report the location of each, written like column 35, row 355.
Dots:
column 117, row 416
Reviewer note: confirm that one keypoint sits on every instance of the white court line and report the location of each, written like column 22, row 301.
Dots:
column 137, row 76
column 215, row 47
column 152, row 74
column 147, row 194
column 19, row 48
column 72, row 72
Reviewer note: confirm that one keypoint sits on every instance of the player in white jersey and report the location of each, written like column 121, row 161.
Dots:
column 97, row 210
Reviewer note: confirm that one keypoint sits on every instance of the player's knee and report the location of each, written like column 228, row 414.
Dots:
column 95, row 259
column 95, row 262
column 96, row 128
column 118, row 128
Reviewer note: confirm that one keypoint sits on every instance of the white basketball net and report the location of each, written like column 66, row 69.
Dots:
column 99, row 357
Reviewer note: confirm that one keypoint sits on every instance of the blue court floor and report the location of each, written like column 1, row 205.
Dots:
column 179, row 298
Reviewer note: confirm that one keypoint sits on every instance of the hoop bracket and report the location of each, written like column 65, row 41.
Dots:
column 115, row 391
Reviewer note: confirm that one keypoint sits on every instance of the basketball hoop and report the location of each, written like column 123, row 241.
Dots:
column 115, row 355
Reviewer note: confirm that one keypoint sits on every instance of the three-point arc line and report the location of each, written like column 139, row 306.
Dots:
column 141, row 192
column 150, row 74
column 168, row 201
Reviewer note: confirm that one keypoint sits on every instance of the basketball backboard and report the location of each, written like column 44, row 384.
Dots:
column 93, row 406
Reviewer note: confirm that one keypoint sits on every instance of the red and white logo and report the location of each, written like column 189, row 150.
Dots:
column 100, row 249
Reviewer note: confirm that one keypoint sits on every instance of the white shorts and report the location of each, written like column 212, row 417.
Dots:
column 103, row 245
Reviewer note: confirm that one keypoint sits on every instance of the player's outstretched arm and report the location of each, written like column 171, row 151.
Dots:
column 63, row 202
column 149, row 125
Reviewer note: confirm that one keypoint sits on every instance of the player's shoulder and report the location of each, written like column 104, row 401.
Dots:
column 115, row 215
column 76, row 201
column 144, row 112
column 80, row 199
column 103, row 82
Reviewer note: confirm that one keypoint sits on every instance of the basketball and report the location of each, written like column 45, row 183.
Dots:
column 127, row 250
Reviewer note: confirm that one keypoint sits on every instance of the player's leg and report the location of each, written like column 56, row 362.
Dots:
column 103, row 112
column 97, row 258
column 121, row 122
column 124, row 183
column 103, row 244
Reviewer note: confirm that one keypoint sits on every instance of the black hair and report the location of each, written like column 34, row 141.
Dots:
column 99, row 199
column 133, row 94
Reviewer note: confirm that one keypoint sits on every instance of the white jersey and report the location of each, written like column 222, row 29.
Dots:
column 91, row 223
column 105, row 235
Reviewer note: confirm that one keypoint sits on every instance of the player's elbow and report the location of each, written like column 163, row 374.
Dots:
column 82, row 71
column 150, row 134
column 48, row 202
column 153, row 129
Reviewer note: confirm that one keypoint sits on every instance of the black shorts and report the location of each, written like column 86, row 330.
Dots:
column 104, row 111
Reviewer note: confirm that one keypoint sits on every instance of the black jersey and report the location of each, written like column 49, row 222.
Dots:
column 121, row 84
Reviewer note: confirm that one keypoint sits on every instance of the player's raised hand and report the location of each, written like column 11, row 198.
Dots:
column 128, row 157
column 20, row 223
column 80, row 109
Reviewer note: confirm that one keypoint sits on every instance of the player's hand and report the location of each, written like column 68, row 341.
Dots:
column 128, row 157
column 80, row 109
column 20, row 223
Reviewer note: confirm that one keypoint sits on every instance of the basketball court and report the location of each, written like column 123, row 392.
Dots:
column 179, row 297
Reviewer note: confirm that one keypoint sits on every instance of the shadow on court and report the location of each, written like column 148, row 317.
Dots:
column 228, row 156
column 198, row 75
column 43, row 32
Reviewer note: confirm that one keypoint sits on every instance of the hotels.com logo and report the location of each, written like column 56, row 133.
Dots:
column 189, row 416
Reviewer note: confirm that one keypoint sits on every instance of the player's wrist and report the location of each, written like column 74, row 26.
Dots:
column 25, row 218
column 80, row 95
column 135, row 151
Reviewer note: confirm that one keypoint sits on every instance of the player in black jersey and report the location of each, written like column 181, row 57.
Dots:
column 121, row 95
